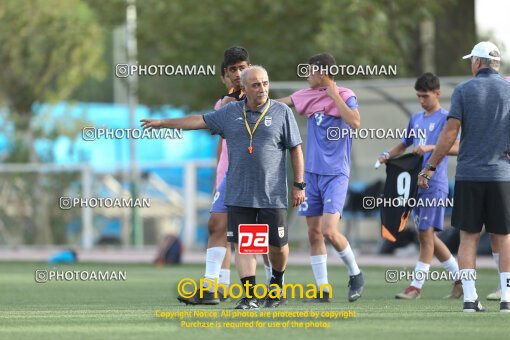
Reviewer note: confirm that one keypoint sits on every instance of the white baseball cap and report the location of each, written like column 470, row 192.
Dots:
column 482, row 50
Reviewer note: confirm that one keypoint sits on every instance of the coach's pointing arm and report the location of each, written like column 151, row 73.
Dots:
column 214, row 121
column 193, row 122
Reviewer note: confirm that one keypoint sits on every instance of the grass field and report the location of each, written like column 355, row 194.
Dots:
column 126, row 309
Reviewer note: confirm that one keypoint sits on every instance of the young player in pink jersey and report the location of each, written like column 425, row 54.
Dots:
column 218, row 252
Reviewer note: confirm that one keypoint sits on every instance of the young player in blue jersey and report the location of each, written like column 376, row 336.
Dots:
column 428, row 219
column 331, row 111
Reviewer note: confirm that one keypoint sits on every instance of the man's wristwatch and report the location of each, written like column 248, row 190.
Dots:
column 300, row 186
column 430, row 167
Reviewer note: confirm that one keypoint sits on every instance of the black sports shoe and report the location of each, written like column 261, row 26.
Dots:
column 324, row 299
column 246, row 303
column 356, row 283
column 504, row 307
column 270, row 302
column 471, row 307
column 207, row 299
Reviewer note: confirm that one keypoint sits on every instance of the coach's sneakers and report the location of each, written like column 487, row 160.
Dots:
column 410, row 293
column 270, row 302
column 504, row 307
column 457, row 291
column 318, row 299
column 495, row 295
column 471, row 307
column 247, row 303
column 207, row 299
column 356, row 283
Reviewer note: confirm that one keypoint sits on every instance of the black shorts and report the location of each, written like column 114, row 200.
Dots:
column 476, row 204
column 274, row 217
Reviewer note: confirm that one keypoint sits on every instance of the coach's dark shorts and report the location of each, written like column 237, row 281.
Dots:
column 476, row 204
column 274, row 217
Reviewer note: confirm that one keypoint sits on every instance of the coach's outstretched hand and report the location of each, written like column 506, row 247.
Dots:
column 298, row 196
column 151, row 123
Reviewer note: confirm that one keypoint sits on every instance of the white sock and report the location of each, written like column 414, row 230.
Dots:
column 320, row 270
column 451, row 267
column 225, row 276
column 505, row 286
column 468, row 284
column 420, row 274
column 269, row 273
column 495, row 257
column 348, row 257
column 213, row 260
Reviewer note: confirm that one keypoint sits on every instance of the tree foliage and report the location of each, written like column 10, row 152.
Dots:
column 48, row 48
column 279, row 35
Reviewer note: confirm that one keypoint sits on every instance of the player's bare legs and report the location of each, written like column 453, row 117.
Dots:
column 216, row 250
column 329, row 228
column 217, row 228
column 317, row 245
column 267, row 267
column 431, row 245
column 246, row 264
column 441, row 251
column 321, row 228
column 426, row 238
column 278, row 257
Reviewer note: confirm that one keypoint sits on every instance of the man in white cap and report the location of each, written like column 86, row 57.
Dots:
column 481, row 106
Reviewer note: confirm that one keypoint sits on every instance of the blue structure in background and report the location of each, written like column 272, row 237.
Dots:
column 105, row 155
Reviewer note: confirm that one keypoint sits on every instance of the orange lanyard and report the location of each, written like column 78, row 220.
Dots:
column 250, row 132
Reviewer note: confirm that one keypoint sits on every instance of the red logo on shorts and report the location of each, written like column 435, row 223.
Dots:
column 253, row 239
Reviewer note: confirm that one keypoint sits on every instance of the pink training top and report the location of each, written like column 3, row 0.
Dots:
column 325, row 155
column 308, row 101
column 221, row 168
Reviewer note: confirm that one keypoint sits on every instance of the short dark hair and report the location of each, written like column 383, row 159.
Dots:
column 427, row 82
column 234, row 55
column 323, row 59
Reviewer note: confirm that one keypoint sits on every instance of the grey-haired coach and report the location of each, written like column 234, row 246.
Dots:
column 258, row 132
column 481, row 109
